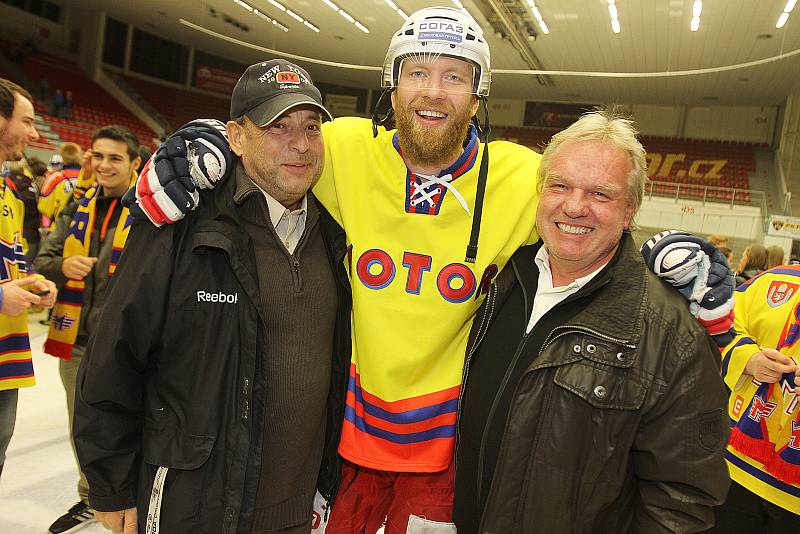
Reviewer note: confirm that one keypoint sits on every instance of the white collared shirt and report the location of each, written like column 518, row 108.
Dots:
column 289, row 225
column 548, row 296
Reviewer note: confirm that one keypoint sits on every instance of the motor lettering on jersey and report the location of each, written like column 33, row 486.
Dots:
column 451, row 272
column 486, row 280
column 417, row 264
column 366, row 263
column 455, row 282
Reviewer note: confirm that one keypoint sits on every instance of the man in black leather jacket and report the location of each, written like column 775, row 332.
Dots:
column 593, row 401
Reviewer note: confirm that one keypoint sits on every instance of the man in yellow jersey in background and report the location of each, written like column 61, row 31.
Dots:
column 760, row 366
column 17, row 291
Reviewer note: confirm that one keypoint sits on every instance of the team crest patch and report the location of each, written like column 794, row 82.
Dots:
column 780, row 292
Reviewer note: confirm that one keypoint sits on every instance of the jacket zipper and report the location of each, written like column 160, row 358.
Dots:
column 246, row 399
column 503, row 384
column 568, row 329
column 482, row 329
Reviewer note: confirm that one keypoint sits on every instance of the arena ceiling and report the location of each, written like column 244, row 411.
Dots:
column 655, row 37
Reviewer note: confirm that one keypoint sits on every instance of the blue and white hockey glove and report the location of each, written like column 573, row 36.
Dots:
column 700, row 272
column 196, row 156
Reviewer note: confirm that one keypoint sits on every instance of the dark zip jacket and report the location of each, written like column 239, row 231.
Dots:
column 614, row 421
column 172, row 377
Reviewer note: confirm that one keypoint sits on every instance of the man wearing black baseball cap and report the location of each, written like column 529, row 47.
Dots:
column 226, row 430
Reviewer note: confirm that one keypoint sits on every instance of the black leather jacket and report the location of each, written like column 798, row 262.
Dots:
column 618, row 424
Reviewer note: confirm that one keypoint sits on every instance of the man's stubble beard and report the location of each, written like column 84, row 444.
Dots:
column 431, row 146
column 7, row 149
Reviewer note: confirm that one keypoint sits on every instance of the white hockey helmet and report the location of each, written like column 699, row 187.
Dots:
column 442, row 31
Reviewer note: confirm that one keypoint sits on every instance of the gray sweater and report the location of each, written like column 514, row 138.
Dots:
column 298, row 295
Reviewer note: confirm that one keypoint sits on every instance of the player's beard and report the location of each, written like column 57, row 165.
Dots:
column 432, row 145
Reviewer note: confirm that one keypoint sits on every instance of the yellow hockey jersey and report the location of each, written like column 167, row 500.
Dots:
column 767, row 314
column 414, row 296
column 16, row 366
column 57, row 192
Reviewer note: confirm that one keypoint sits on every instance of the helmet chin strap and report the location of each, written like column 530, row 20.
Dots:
column 483, row 134
column 380, row 118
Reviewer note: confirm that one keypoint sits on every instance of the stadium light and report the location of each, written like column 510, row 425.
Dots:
column 785, row 15
column 347, row 16
column 614, row 13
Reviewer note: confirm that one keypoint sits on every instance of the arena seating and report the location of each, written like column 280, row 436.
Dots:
column 179, row 106
column 713, row 170
column 721, row 172
column 92, row 105
column 534, row 138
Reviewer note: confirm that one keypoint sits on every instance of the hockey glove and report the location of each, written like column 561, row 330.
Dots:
column 700, row 272
column 196, row 156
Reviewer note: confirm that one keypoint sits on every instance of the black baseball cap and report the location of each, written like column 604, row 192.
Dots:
column 269, row 89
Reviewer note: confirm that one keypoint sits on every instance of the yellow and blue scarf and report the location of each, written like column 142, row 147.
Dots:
column 66, row 316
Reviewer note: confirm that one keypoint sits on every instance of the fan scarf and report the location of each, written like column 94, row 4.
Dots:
column 67, row 311
column 16, row 365
column 768, row 428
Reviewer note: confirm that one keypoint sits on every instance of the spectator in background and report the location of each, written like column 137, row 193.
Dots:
column 38, row 170
column 728, row 254
column 21, row 177
column 16, row 288
column 775, row 256
column 718, row 240
column 68, row 105
column 754, row 261
column 81, row 261
column 58, row 103
column 59, row 187
column 144, row 153
column 56, row 163
column 44, row 89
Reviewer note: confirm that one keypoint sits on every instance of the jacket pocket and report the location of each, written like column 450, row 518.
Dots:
column 183, row 462
column 169, row 447
column 603, row 386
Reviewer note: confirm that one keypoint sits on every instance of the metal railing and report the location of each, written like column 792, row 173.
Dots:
column 708, row 193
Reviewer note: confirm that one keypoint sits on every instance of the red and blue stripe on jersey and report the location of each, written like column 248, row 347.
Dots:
column 416, row 427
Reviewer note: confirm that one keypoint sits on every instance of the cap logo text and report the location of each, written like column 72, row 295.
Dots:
column 287, row 77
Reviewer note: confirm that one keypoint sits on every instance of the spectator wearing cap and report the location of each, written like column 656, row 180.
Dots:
column 225, row 431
